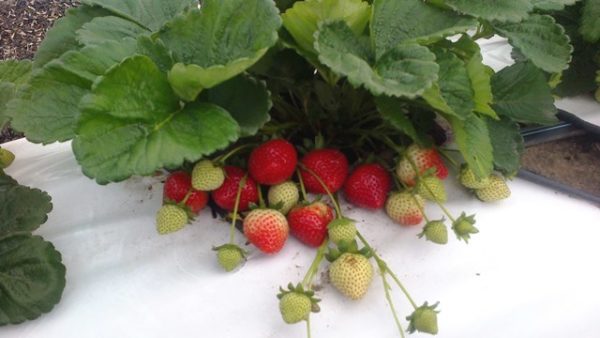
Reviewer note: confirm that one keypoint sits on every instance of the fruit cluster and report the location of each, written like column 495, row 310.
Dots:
column 401, row 190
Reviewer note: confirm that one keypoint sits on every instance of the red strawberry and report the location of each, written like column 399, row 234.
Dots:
column 308, row 223
column 273, row 162
column 368, row 186
column 330, row 165
column 176, row 186
column 224, row 196
column 267, row 229
column 423, row 159
column 197, row 200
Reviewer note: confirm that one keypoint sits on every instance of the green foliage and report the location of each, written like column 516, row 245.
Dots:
column 32, row 277
column 507, row 143
column 501, row 10
column 473, row 140
column 590, row 21
column 13, row 74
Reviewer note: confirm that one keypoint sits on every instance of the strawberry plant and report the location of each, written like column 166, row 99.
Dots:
column 381, row 100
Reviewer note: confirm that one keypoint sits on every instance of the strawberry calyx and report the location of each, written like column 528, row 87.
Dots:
column 190, row 214
column 435, row 231
column 230, row 256
column 342, row 230
column 464, row 227
column 301, row 290
column 424, row 319
column 347, row 247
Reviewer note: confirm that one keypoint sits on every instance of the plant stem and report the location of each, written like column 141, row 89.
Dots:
column 302, row 188
column 391, row 144
column 449, row 159
column 261, row 200
column 241, row 184
column 184, row 200
column 312, row 270
column 308, row 327
column 336, row 205
column 384, row 265
column 388, row 297
column 224, row 157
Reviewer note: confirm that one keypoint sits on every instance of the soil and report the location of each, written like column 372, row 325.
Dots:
column 23, row 24
column 574, row 161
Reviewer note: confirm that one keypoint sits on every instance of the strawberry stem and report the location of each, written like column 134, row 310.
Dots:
column 302, row 188
column 312, row 270
column 184, row 200
column 224, row 157
column 261, row 200
column 308, row 327
column 382, row 264
column 336, row 205
column 449, row 159
column 388, row 297
column 238, row 195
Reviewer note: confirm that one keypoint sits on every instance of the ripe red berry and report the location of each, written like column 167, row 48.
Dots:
column 309, row 223
column 225, row 195
column 331, row 165
column 176, row 186
column 197, row 201
column 273, row 162
column 368, row 186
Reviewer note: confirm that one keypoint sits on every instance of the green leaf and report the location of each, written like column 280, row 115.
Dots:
column 108, row 28
column 541, row 40
column 579, row 77
column 46, row 110
column 552, row 5
column 32, row 278
column 302, row 20
column 507, row 143
column 522, row 93
column 397, row 21
column 391, row 110
column 454, row 86
column 473, row 140
column 246, row 99
column 22, row 208
column 406, row 70
column 13, row 74
column 498, row 10
column 479, row 74
column 133, row 124
column 6, row 181
column 150, row 14
column 590, row 21
column 62, row 36
column 218, row 42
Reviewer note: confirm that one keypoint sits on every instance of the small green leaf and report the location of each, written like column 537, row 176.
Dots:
column 498, row 10
column 391, row 110
column 303, row 19
column 108, row 28
column 406, row 70
column 397, row 21
column 62, row 36
column 32, row 278
column 22, row 208
column 46, row 109
column 579, row 77
column 454, row 85
column 540, row 39
column 552, row 5
column 246, row 99
column 473, row 140
column 590, row 21
column 6, row 181
column 522, row 93
column 507, row 143
column 218, row 42
column 13, row 74
column 150, row 14
column 133, row 124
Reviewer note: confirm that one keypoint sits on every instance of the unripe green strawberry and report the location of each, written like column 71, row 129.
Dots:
column 423, row 319
column 469, row 180
column 341, row 230
column 284, row 195
column 402, row 207
column 351, row 274
column 229, row 256
column 206, row 176
column 295, row 307
column 497, row 190
column 432, row 188
column 170, row 218
column 435, row 231
column 464, row 227
column 6, row 158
